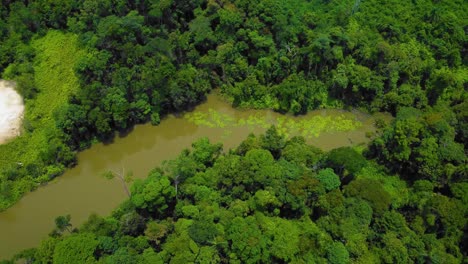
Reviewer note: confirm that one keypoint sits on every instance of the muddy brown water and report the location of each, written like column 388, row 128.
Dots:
column 82, row 190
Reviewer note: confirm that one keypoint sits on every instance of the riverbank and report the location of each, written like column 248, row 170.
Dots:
column 82, row 190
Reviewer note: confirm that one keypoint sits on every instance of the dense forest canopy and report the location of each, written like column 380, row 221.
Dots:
column 90, row 68
column 270, row 200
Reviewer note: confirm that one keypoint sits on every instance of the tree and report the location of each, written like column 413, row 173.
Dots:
column 270, row 200
column 187, row 87
column 132, row 224
column 156, row 231
column 420, row 145
column 257, row 169
column 246, row 241
column 445, row 216
column 154, row 194
column 273, row 141
column 203, row 231
column 71, row 119
column 337, row 253
column 297, row 95
column 329, row 179
column 62, row 223
column 345, row 161
column 77, row 248
column 118, row 106
column 371, row 191
column 265, row 201
column 45, row 250
column 300, row 153
column 302, row 195
column 124, row 178
column 121, row 255
column 282, row 237
column 204, row 152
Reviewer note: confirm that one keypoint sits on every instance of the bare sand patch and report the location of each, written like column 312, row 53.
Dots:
column 11, row 111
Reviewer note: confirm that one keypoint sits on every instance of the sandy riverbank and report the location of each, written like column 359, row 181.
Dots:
column 11, row 111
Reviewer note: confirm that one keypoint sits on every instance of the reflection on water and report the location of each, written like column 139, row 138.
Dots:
column 82, row 190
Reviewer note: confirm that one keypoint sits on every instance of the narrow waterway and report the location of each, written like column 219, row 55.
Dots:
column 82, row 190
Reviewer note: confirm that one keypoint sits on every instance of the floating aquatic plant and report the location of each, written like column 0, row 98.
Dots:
column 309, row 128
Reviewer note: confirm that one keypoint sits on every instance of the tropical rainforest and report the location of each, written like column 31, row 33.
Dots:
column 88, row 69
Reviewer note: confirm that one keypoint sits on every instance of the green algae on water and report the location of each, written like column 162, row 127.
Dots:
column 309, row 126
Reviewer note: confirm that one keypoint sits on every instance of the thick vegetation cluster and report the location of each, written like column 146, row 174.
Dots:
column 89, row 68
column 268, row 201
column 135, row 61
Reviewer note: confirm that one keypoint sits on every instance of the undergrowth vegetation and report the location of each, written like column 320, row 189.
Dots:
column 39, row 154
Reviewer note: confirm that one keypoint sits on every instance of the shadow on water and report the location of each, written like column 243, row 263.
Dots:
column 125, row 132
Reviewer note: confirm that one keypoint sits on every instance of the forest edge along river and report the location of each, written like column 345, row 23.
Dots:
column 83, row 190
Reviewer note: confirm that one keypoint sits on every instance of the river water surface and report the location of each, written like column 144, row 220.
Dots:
column 82, row 190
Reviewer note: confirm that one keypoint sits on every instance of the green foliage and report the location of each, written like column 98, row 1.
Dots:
column 371, row 191
column 337, row 253
column 153, row 194
column 62, row 223
column 393, row 185
column 298, row 152
column 273, row 141
column 40, row 149
column 329, row 179
column 298, row 95
column 204, row 152
column 77, row 248
column 131, row 224
column 421, row 145
column 248, row 244
column 203, row 231
column 247, row 206
column 155, row 119
column 155, row 231
column 45, row 250
column 128, row 63
column 345, row 161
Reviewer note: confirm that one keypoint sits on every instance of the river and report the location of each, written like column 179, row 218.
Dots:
column 82, row 190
